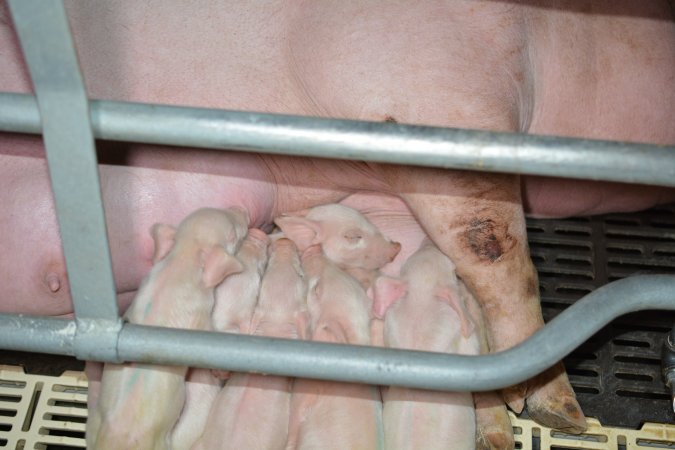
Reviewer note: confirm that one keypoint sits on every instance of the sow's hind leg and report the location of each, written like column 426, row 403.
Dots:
column 477, row 220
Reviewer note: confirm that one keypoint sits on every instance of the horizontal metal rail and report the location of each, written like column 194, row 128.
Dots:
column 368, row 141
column 372, row 365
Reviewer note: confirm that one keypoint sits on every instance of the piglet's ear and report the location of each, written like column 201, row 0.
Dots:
column 302, row 321
column 303, row 232
column 218, row 264
column 456, row 302
column 385, row 292
column 164, row 236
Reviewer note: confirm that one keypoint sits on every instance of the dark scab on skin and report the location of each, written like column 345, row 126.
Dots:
column 486, row 239
column 390, row 119
column 532, row 287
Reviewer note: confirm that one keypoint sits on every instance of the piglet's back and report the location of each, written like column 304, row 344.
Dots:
column 179, row 292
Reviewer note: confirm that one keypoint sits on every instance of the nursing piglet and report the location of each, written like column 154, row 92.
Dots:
column 346, row 237
column 139, row 404
column 324, row 414
column 252, row 411
column 235, row 300
column 431, row 315
column 237, row 296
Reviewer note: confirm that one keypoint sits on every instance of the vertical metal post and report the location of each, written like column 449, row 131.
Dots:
column 47, row 45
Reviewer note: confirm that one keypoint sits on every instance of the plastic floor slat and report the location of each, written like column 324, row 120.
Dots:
column 41, row 422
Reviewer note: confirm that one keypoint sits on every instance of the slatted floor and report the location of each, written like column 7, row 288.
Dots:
column 617, row 373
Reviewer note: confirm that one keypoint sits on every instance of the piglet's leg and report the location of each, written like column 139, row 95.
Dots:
column 94, row 372
column 493, row 426
column 477, row 220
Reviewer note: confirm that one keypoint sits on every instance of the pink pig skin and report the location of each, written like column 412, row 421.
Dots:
column 348, row 239
column 236, row 297
column 392, row 217
column 235, row 300
column 417, row 418
column 345, row 235
column 94, row 372
column 139, row 404
column 252, row 411
column 494, row 430
column 201, row 389
column 330, row 415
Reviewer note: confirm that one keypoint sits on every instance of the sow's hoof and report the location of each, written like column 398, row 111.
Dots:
column 552, row 402
column 562, row 413
column 514, row 396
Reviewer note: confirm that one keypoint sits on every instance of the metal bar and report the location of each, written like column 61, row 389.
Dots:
column 371, row 365
column 369, row 141
column 37, row 334
column 63, row 107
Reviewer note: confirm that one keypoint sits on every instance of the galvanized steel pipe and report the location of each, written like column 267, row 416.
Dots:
column 368, row 141
column 372, row 365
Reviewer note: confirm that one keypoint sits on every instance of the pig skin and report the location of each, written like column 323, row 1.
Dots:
column 252, row 411
column 139, row 404
column 346, row 237
column 237, row 296
column 235, row 300
column 494, row 430
column 201, row 390
column 416, row 418
column 332, row 415
column 391, row 216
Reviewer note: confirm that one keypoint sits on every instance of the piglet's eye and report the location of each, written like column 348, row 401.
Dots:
column 353, row 238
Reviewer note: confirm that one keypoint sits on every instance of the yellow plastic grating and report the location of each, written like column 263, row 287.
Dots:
column 38, row 411
column 651, row 436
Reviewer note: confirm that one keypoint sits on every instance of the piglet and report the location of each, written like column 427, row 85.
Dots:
column 237, row 296
column 252, row 411
column 326, row 414
column 201, row 389
column 139, row 404
column 235, row 300
column 346, row 237
column 428, row 314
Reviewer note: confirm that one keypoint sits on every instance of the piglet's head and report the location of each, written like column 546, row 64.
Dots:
column 228, row 227
column 210, row 226
column 212, row 234
column 217, row 264
column 345, row 235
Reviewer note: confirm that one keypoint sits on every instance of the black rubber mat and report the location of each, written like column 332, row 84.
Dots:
column 617, row 373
